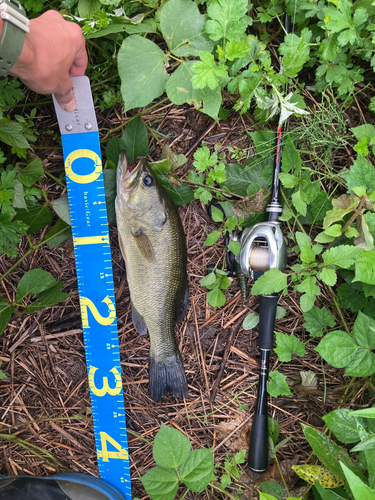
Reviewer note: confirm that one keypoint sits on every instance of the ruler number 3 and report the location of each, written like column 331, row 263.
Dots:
column 105, row 389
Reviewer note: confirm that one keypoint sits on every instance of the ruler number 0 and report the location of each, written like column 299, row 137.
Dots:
column 105, row 389
column 121, row 452
column 87, row 178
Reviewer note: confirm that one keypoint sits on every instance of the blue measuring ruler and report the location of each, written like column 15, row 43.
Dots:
column 88, row 213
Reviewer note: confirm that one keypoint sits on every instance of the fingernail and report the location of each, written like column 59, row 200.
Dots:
column 69, row 106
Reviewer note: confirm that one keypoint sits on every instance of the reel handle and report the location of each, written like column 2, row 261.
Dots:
column 258, row 448
column 267, row 315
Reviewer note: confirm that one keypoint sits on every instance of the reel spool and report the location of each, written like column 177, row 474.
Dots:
column 262, row 248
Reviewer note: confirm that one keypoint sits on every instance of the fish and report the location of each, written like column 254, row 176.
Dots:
column 153, row 245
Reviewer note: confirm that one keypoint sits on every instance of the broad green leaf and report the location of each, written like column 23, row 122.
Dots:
column 240, row 179
column 32, row 173
column 216, row 214
column 365, row 413
column 33, row 282
column 272, row 488
column 216, row 298
column 179, row 87
column 227, row 19
column 359, row 489
column 362, row 173
column 10, row 234
column 180, row 193
column 288, row 345
column 6, row 311
column 37, row 217
column 349, row 298
column 343, row 205
column 208, row 280
column 251, row 321
column 264, row 142
column 328, row 494
column 181, row 24
column 265, row 496
column 337, row 348
column 317, row 320
column 291, row 159
column 280, row 312
column 61, row 207
column 270, row 282
column 366, row 444
column 299, row 202
column 273, row 431
column 135, row 139
column 307, row 253
column 343, row 425
column 302, row 239
column 142, row 72
column 60, row 232
column 171, row 447
column 289, row 181
column 308, row 286
column 87, row 8
column 277, row 384
column 48, row 298
column 212, row 238
column 365, row 267
column 364, row 331
column 196, row 471
column 362, row 364
column 11, row 134
column 343, row 256
column 328, row 276
column 19, row 196
column 307, row 302
column 312, row 473
column 160, row 483
column 328, row 452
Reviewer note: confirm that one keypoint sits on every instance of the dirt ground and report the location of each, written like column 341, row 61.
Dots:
column 44, row 401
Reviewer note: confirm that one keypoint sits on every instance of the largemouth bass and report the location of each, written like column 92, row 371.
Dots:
column 153, row 245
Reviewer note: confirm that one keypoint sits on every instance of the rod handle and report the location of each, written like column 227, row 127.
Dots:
column 258, row 448
column 267, row 315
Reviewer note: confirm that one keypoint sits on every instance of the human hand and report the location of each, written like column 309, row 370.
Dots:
column 53, row 51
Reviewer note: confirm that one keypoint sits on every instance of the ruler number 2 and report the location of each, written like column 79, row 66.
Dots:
column 89, row 304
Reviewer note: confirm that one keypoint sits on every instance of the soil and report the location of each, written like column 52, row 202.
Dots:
column 45, row 398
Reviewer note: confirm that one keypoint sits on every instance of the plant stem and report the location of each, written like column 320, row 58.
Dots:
column 222, row 490
column 338, row 309
column 282, row 475
column 139, row 436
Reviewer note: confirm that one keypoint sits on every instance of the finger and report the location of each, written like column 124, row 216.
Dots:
column 66, row 100
column 79, row 64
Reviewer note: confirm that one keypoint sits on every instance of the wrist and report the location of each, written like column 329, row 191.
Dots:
column 14, row 26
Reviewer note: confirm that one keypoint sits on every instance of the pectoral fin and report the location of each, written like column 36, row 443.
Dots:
column 144, row 245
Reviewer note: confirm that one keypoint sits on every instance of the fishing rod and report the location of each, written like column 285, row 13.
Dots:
column 263, row 248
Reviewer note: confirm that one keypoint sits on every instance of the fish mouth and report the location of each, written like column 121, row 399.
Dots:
column 128, row 174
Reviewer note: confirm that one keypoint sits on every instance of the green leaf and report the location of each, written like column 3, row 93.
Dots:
column 216, row 298
column 240, row 179
column 265, row 496
column 216, row 214
column 349, row 298
column 171, row 447
column 208, row 280
column 359, row 489
column 207, row 72
column 337, row 348
column 343, row 425
column 362, row 173
column 48, row 298
column 160, row 484
column 19, row 196
column 212, row 238
column 317, row 320
column 272, row 488
column 32, row 173
column 296, row 52
column 289, row 181
column 366, row 444
column 365, row 268
column 291, row 159
column 364, row 331
column 343, row 256
column 10, row 235
column 299, row 202
column 227, row 19
column 61, row 207
column 288, row 345
column 87, row 8
column 270, row 282
column 328, row 276
column 62, row 230
column 328, row 452
column 234, row 247
column 182, row 27
column 362, row 364
column 142, row 71
column 306, row 302
column 135, row 139
column 327, row 494
column 181, row 194
column 11, row 134
column 308, row 286
column 365, row 413
column 235, row 50
column 33, row 282
column 6, row 311
column 37, row 218
column 277, row 384
column 251, row 321
column 196, row 471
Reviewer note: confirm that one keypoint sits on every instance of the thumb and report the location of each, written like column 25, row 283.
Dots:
column 66, row 101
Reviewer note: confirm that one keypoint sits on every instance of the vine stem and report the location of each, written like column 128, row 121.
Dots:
column 222, row 490
column 282, row 475
column 30, row 250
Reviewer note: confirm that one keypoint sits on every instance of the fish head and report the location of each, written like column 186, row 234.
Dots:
column 140, row 197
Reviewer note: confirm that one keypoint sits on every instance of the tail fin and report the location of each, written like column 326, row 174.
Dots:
column 167, row 375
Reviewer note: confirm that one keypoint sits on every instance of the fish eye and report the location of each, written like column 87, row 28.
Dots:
column 147, row 180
